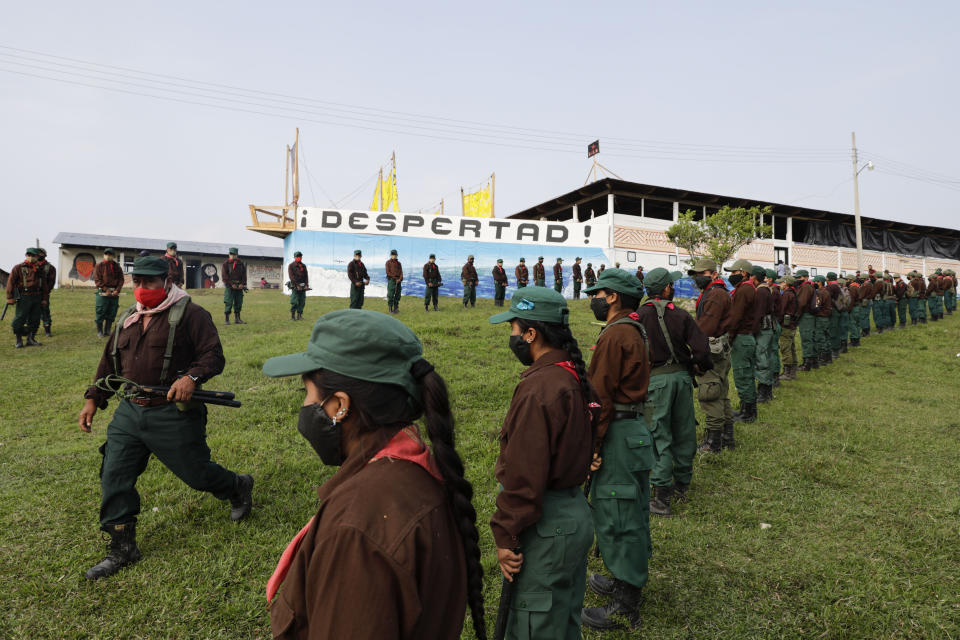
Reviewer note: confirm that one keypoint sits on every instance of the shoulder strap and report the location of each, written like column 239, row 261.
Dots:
column 643, row 331
column 116, row 336
column 661, row 307
column 173, row 317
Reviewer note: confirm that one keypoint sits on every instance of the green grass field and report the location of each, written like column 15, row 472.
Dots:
column 855, row 468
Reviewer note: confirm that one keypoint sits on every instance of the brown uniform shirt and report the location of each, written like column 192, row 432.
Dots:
column 383, row 559
column 763, row 305
column 713, row 310
column 577, row 273
column 431, row 274
column 357, row 272
column 394, row 270
column 805, row 292
column 854, row 289
column 558, row 272
column 539, row 273
column 234, row 272
column 174, row 268
column 833, row 289
column 469, row 273
column 826, row 303
column 27, row 279
column 619, row 369
column 298, row 274
column 196, row 351
column 900, row 289
column 742, row 300
column 522, row 273
column 866, row 290
column 108, row 276
column 499, row 275
column 546, row 442
column 589, row 275
column 919, row 286
column 788, row 305
column 49, row 273
column 689, row 343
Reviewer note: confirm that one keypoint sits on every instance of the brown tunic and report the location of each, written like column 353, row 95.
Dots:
column 866, row 290
column 590, row 276
column 108, row 276
column 805, row 292
column 689, row 343
column 558, row 272
column 499, row 275
column 522, row 273
column 49, row 273
column 619, row 369
column 383, row 559
column 357, row 272
column 545, row 443
column 900, row 289
column 763, row 305
column 394, row 270
column 431, row 274
column 539, row 273
column 854, row 290
column 577, row 274
column 919, row 286
column 174, row 268
column 196, row 351
column 788, row 305
column 469, row 274
column 298, row 274
column 234, row 273
column 826, row 303
column 742, row 318
column 713, row 310
column 27, row 279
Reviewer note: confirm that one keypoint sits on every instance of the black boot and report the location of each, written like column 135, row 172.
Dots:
column 46, row 331
column 106, row 329
column 923, row 320
column 711, row 442
column 660, row 502
column 299, row 315
column 626, row 604
column 680, row 492
column 293, row 315
column 236, row 318
column 865, row 332
column 726, row 437
column 843, row 346
column 226, row 317
column 776, row 380
column 242, row 499
column 19, row 344
column 807, row 364
column 32, row 340
column 426, row 308
column 100, row 333
column 789, row 372
column 855, row 342
column 435, row 308
column 748, row 412
column 764, row 393
column 601, row 584
column 913, row 321
column 834, row 354
column 121, row 551
column 879, row 330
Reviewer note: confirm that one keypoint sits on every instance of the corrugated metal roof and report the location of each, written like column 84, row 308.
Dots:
column 153, row 244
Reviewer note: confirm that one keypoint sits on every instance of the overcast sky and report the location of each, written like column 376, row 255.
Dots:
column 722, row 97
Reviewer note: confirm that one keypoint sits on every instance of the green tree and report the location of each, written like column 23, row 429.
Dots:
column 721, row 234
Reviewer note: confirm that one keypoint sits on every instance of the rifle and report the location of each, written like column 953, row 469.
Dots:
column 16, row 298
column 503, row 610
column 127, row 388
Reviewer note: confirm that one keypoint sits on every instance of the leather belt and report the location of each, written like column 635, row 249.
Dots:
column 626, row 415
column 149, row 402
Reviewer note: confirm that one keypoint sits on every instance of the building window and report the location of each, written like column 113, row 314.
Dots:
column 813, row 271
column 672, row 260
column 127, row 264
column 631, row 256
column 658, row 209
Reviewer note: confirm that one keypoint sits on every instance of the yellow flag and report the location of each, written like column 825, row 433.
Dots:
column 478, row 204
column 385, row 194
column 375, row 206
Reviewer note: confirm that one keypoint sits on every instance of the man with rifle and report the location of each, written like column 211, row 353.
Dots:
column 164, row 339
column 108, row 276
column 27, row 288
column 299, row 285
column 234, row 276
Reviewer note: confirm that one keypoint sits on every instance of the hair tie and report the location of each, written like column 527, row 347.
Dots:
column 420, row 369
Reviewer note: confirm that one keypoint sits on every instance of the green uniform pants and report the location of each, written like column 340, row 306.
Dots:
column 499, row 292
column 843, row 326
column 177, row 438
column 865, row 314
column 45, row 315
column 950, row 298
column 469, row 294
column 549, row 590
column 936, row 305
column 232, row 300
column 854, row 332
column 106, row 308
column 743, row 360
column 27, row 318
column 820, row 334
column 520, row 285
column 670, row 414
column 808, row 338
column 775, row 348
column 356, row 296
column 540, row 283
column 393, row 293
column 891, row 312
column 788, row 346
column 713, row 391
column 902, row 310
column 430, row 293
column 913, row 304
column 879, row 314
column 765, row 341
column 576, row 289
column 922, row 307
column 621, row 500
column 833, row 330
column 558, row 286
column 297, row 300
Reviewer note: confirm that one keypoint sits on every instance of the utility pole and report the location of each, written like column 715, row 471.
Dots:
column 856, row 203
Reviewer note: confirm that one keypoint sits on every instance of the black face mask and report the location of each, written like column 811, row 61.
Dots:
column 600, row 308
column 735, row 279
column 321, row 432
column 702, row 282
column 521, row 349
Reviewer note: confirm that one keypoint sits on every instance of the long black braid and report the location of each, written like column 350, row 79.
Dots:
column 559, row 336
column 385, row 406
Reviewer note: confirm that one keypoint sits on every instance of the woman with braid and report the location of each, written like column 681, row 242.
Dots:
column 542, row 526
column 393, row 550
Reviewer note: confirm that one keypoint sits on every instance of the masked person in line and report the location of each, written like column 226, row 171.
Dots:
column 743, row 326
column 619, row 374
column 170, row 427
column 49, row 273
column 108, row 276
column 545, row 451
column 392, row 551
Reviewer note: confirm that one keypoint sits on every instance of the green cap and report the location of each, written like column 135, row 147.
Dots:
column 357, row 252
column 433, row 255
column 32, row 251
column 470, row 257
column 535, row 303
column 831, row 275
column 499, row 260
column 297, row 254
column 358, row 343
column 41, row 251
column 150, row 266
column 820, row 279
column 523, row 259
column 171, row 245
column 559, row 259
column 701, row 265
column 233, row 251
column 617, row 280
column 589, row 264
column 540, row 258
column 790, row 280
column 110, row 251
column 802, row 273
column 759, row 272
column 770, row 273
column 939, row 270
column 741, row 265
column 393, row 252
column 578, row 258
column 658, row 279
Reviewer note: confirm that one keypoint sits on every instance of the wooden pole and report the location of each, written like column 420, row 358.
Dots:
column 463, row 210
column 393, row 172
column 493, row 193
column 296, row 171
column 286, row 181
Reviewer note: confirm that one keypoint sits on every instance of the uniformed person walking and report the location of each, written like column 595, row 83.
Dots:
column 713, row 386
column 392, row 551
column 558, row 276
column 539, row 273
column 108, row 277
column 589, row 276
column 233, row 273
column 174, row 264
column 577, row 278
column 619, row 374
column 743, row 326
column 522, row 273
column 499, row 283
column 807, row 305
column 787, row 317
column 678, row 351
column 357, row 272
column 49, row 273
column 164, row 339
column 27, row 288
column 546, row 443
column 432, row 282
column 394, row 270
column 470, row 280
column 299, row 284
column 763, row 311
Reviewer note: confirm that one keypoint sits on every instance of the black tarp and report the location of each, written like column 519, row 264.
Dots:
column 836, row 234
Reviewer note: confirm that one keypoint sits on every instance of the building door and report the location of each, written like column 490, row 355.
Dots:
column 781, row 254
column 193, row 276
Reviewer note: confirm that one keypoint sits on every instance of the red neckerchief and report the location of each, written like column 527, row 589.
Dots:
column 718, row 281
column 831, row 282
column 854, row 284
column 405, row 445
column 233, row 265
column 743, row 282
column 175, row 259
